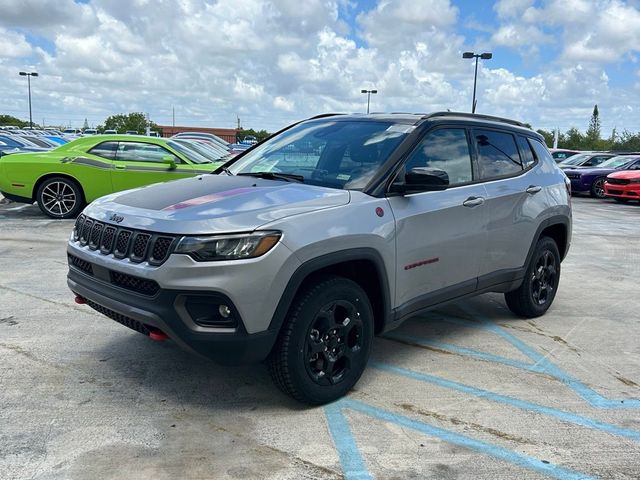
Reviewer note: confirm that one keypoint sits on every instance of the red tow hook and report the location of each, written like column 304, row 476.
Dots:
column 80, row 300
column 158, row 335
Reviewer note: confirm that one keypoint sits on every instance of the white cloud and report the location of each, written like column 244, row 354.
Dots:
column 275, row 61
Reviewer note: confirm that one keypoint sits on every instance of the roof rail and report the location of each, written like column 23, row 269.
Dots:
column 322, row 115
column 475, row 115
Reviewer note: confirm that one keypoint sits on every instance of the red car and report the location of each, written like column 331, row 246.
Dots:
column 623, row 185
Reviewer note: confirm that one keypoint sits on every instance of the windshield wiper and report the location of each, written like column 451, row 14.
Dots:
column 287, row 177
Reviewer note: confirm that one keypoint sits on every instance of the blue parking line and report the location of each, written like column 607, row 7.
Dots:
column 545, row 364
column 511, row 401
column 347, row 448
column 350, row 459
column 488, row 357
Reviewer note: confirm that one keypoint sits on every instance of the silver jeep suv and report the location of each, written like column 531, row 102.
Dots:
column 333, row 230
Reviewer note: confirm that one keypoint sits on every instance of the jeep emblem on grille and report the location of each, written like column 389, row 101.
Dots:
column 116, row 218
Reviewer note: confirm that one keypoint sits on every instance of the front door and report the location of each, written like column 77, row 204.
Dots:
column 440, row 235
column 138, row 163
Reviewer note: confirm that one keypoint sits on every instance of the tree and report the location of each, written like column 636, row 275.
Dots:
column 8, row 120
column 593, row 137
column 260, row 134
column 86, row 124
column 136, row 121
column 548, row 137
column 573, row 139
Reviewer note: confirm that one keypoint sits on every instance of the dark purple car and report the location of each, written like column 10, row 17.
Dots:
column 591, row 180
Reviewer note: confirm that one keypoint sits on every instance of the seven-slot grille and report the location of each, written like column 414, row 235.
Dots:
column 133, row 244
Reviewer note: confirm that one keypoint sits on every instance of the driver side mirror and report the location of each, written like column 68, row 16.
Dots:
column 169, row 160
column 422, row 179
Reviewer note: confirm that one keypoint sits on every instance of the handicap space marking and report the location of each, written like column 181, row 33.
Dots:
column 355, row 469
column 541, row 364
column 511, row 401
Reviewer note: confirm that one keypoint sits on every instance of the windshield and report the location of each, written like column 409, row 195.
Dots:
column 616, row 162
column 330, row 153
column 210, row 154
column 575, row 159
column 190, row 153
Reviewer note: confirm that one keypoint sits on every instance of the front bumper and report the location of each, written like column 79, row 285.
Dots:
column 630, row 191
column 165, row 311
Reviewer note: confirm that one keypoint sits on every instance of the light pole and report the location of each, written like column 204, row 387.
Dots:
column 368, row 92
column 484, row 56
column 29, row 75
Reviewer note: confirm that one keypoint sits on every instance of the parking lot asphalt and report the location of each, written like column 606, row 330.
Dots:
column 466, row 391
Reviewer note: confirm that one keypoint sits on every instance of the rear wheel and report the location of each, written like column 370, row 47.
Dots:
column 597, row 188
column 324, row 344
column 534, row 297
column 60, row 197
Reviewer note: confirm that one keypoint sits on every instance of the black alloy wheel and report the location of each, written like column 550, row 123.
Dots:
column 544, row 278
column 334, row 338
column 540, row 284
column 60, row 197
column 324, row 344
column 597, row 188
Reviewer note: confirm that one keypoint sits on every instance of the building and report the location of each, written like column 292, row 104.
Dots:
column 228, row 134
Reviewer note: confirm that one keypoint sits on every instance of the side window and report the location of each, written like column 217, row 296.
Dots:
column 597, row 160
column 143, row 152
column 525, row 151
column 540, row 150
column 497, row 154
column 105, row 150
column 444, row 149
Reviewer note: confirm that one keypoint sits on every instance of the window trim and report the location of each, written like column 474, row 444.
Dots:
column 90, row 151
column 498, row 130
column 179, row 159
column 405, row 158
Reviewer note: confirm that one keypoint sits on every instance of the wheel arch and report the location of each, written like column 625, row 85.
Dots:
column 558, row 229
column 46, row 176
column 361, row 265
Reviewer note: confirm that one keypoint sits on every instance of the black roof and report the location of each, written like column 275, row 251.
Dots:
column 416, row 118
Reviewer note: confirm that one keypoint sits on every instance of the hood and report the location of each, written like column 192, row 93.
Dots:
column 213, row 204
column 630, row 174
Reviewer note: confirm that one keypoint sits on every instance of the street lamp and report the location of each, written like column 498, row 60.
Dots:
column 29, row 75
column 368, row 92
column 484, row 56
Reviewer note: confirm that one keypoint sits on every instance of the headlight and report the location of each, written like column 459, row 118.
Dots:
column 228, row 247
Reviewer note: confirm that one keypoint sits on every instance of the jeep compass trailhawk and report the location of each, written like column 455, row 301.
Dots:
column 333, row 230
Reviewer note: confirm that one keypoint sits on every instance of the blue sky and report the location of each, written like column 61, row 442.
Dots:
column 271, row 62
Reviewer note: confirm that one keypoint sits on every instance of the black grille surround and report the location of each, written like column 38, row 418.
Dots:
column 136, row 245
column 618, row 181
column 80, row 264
column 135, row 284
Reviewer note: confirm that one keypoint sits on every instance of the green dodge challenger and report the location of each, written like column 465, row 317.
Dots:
column 65, row 179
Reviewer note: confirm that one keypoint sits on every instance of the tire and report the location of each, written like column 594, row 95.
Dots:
column 597, row 188
column 60, row 197
column 324, row 344
column 534, row 297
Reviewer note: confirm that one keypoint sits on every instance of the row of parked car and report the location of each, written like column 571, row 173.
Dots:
column 64, row 179
column 602, row 174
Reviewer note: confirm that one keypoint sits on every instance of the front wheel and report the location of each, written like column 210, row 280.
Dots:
column 60, row 197
column 597, row 188
column 325, row 342
column 534, row 297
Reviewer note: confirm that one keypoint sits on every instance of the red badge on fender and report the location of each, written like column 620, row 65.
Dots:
column 379, row 212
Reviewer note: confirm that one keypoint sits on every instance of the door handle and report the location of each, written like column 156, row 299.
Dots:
column 533, row 189
column 121, row 167
column 473, row 201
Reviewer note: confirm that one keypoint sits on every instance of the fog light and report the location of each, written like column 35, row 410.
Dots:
column 224, row 311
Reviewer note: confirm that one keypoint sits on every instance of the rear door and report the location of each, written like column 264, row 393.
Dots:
column 506, row 165
column 138, row 163
column 440, row 235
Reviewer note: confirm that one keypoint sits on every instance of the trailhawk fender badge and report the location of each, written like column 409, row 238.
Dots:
column 116, row 218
